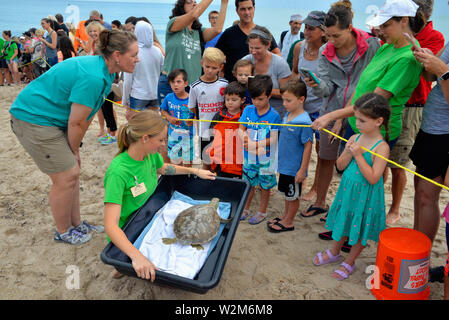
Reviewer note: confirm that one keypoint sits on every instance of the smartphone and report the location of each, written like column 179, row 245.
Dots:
column 309, row 74
column 410, row 40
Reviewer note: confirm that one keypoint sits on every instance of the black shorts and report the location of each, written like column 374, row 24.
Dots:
column 430, row 154
column 3, row 64
column 288, row 186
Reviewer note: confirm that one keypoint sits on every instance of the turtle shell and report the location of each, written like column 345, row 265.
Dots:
column 198, row 224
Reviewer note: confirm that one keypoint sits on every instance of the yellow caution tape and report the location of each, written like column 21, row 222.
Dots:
column 325, row 130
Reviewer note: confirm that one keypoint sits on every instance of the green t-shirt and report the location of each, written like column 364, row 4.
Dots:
column 183, row 50
column 121, row 176
column 47, row 101
column 9, row 47
column 1, row 47
column 396, row 71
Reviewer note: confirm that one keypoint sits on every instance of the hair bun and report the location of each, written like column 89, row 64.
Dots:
column 343, row 3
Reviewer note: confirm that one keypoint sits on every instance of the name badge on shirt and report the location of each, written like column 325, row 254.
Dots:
column 138, row 189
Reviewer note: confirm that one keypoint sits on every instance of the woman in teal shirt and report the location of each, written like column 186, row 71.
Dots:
column 132, row 178
column 50, row 118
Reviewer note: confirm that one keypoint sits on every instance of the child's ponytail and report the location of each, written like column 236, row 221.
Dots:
column 143, row 123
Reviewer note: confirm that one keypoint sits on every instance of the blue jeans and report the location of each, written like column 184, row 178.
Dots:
column 163, row 88
column 140, row 105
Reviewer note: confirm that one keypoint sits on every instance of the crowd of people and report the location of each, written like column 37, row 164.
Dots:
column 374, row 89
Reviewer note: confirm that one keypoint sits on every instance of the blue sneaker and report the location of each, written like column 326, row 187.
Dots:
column 86, row 228
column 109, row 140
column 72, row 236
column 103, row 138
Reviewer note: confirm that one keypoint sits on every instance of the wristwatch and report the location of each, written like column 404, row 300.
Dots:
column 445, row 76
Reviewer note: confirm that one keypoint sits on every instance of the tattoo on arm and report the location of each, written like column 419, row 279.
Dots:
column 170, row 170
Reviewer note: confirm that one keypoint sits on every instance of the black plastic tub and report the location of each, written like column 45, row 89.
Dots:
column 228, row 190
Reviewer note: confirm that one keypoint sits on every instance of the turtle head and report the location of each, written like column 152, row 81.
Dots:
column 214, row 202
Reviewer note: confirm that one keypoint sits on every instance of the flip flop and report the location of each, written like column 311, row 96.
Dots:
column 325, row 235
column 245, row 215
column 317, row 210
column 283, row 228
column 277, row 219
column 328, row 236
column 323, row 219
column 331, row 259
column 257, row 218
column 342, row 274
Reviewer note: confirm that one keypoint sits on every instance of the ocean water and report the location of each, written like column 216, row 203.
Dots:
column 20, row 15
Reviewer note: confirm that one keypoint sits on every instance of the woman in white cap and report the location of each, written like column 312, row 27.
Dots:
column 393, row 72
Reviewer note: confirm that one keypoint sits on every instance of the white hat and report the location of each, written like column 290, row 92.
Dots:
column 296, row 17
column 393, row 8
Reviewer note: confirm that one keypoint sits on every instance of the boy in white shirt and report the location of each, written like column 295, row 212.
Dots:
column 206, row 97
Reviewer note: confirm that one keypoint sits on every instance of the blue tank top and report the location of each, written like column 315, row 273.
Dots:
column 51, row 53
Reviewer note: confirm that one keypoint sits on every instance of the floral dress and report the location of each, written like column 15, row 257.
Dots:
column 358, row 210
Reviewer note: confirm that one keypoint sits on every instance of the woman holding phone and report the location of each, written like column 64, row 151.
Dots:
column 393, row 72
column 340, row 65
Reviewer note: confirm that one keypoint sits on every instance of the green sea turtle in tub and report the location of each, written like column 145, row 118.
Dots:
column 197, row 225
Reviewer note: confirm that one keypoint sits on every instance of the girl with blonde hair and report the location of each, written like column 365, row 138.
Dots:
column 132, row 178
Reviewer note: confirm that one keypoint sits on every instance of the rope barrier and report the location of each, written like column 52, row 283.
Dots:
column 325, row 130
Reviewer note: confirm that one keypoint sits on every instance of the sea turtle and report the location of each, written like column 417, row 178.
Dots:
column 197, row 225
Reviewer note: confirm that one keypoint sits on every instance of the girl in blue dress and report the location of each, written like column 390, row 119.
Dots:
column 358, row 211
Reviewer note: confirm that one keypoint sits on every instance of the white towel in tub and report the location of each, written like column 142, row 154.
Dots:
column 181, row 260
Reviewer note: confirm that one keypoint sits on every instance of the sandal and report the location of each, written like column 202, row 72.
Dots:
column 317, row 211
column 331, row 259
column 245, row 215
column 281, row 226
column 257, row 218
column 273, row 221
column 343, row 275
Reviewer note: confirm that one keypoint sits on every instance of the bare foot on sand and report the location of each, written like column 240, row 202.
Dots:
column 392, row 218
column 309, row 196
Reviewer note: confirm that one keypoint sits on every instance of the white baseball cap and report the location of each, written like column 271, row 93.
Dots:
column 393, row 8
column 296, row 17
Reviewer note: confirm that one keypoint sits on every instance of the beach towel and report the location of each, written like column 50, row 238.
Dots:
column 181, row 260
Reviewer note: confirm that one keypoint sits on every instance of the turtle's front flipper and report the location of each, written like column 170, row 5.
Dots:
column 225, row 220
column 197, row 246
column 169, row 240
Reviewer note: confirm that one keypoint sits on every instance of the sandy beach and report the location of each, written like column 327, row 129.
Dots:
column 261, row 265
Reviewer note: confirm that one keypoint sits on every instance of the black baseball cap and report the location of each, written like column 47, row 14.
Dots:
column 315, row 19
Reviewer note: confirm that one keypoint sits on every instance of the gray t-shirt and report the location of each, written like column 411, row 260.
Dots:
column 278, row 69
column 436, row 111
column 313, row 104
column 347, row 61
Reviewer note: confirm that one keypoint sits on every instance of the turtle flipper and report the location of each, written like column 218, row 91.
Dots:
column 169, row 240
column 197, row 246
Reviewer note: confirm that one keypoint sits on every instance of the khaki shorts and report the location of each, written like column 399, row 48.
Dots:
column 411, row 122
column 329, row 151
column 48, row 146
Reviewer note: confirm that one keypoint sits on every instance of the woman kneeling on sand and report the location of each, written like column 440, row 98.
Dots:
column 52, row 114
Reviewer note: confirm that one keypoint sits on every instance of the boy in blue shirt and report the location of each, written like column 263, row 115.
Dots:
column 259, row 142
column 295, row 148
column 180, row 133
